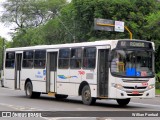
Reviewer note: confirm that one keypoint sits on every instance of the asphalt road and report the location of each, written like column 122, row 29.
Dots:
column 15, row 100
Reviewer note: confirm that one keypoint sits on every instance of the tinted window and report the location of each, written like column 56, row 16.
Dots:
column 89, row 57
column 10, row 60
column 40, row 59
column 64, row 58
column 28, row 59
column 76, row 58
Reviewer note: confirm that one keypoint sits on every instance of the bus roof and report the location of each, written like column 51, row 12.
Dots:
column 57, row 46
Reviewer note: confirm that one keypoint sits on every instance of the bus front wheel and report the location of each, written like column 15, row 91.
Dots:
column 123, row 102
column 86, row 96
column 29, row 91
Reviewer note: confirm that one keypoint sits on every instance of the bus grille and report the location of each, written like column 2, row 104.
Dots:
column 134, row 94
column 126, row 87
column 134, row 81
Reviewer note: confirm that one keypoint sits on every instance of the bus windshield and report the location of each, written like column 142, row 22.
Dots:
column 132, row 63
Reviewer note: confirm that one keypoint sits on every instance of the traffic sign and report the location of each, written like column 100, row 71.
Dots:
column 98, row 24
column 119, row 26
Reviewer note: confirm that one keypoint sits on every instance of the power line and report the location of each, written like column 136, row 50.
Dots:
column 63, row 24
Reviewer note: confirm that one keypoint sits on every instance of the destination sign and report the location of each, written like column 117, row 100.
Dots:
column 134, row 44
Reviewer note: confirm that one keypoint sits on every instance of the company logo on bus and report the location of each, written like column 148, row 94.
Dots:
column 81, row 72
column 136, row 87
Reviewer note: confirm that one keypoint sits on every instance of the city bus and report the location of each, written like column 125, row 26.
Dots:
column 106, row 69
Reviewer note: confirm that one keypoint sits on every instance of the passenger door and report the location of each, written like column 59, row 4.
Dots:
column 103, row 67
column 18, row 70
column 51, row 71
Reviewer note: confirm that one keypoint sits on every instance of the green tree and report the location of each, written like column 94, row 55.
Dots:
column 29, row 13
column 52, row 32
column 152, row 33
column 29, row 37
column 30, row 16
column 2, row 47
column 81, row 13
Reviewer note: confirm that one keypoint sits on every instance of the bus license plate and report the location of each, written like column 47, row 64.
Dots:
column 135, row 92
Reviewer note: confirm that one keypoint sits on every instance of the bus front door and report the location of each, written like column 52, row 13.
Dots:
column 51, row 71
column 18, row 70
column 103, row 72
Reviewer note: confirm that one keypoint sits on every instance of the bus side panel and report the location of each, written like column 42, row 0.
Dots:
column 22, row 85
column 37, row 77
column 63, row 75
column 67, row 88
column 90, row 76
column 112, row 90
column 39, row 86
column 75, row 76
column 63, row 82
column 93, row 89
column 9, row 78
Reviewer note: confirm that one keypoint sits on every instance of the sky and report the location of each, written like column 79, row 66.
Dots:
column 4, row 29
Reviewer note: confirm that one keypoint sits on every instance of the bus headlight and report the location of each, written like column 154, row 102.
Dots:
column 118, row 86
column 151, row 86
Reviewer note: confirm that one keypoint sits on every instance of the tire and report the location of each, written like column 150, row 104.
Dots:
column 2, row 83
column 58, row 96
column 86, row 96
column 29, row 91
column 123, row 102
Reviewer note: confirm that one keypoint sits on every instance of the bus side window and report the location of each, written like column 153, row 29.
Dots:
column 64, row 55
column 10, row 60
column 39, row 58
column 89, row 57
column 28, row 59
column 76, row 58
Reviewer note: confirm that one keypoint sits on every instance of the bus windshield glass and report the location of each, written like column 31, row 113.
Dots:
column 132, row 63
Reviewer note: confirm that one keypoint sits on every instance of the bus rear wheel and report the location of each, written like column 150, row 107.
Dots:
column 29, row 91
column 86, row 96
column 123, row 102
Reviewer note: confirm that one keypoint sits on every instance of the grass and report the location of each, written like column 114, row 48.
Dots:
column 157, row 91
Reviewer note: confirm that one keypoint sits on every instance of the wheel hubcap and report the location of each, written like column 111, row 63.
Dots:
column 87, row 95
column 28, row 90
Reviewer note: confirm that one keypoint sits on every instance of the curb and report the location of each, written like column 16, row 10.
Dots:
column 157, row 95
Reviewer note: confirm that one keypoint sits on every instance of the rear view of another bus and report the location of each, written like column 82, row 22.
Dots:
column 132, row 71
